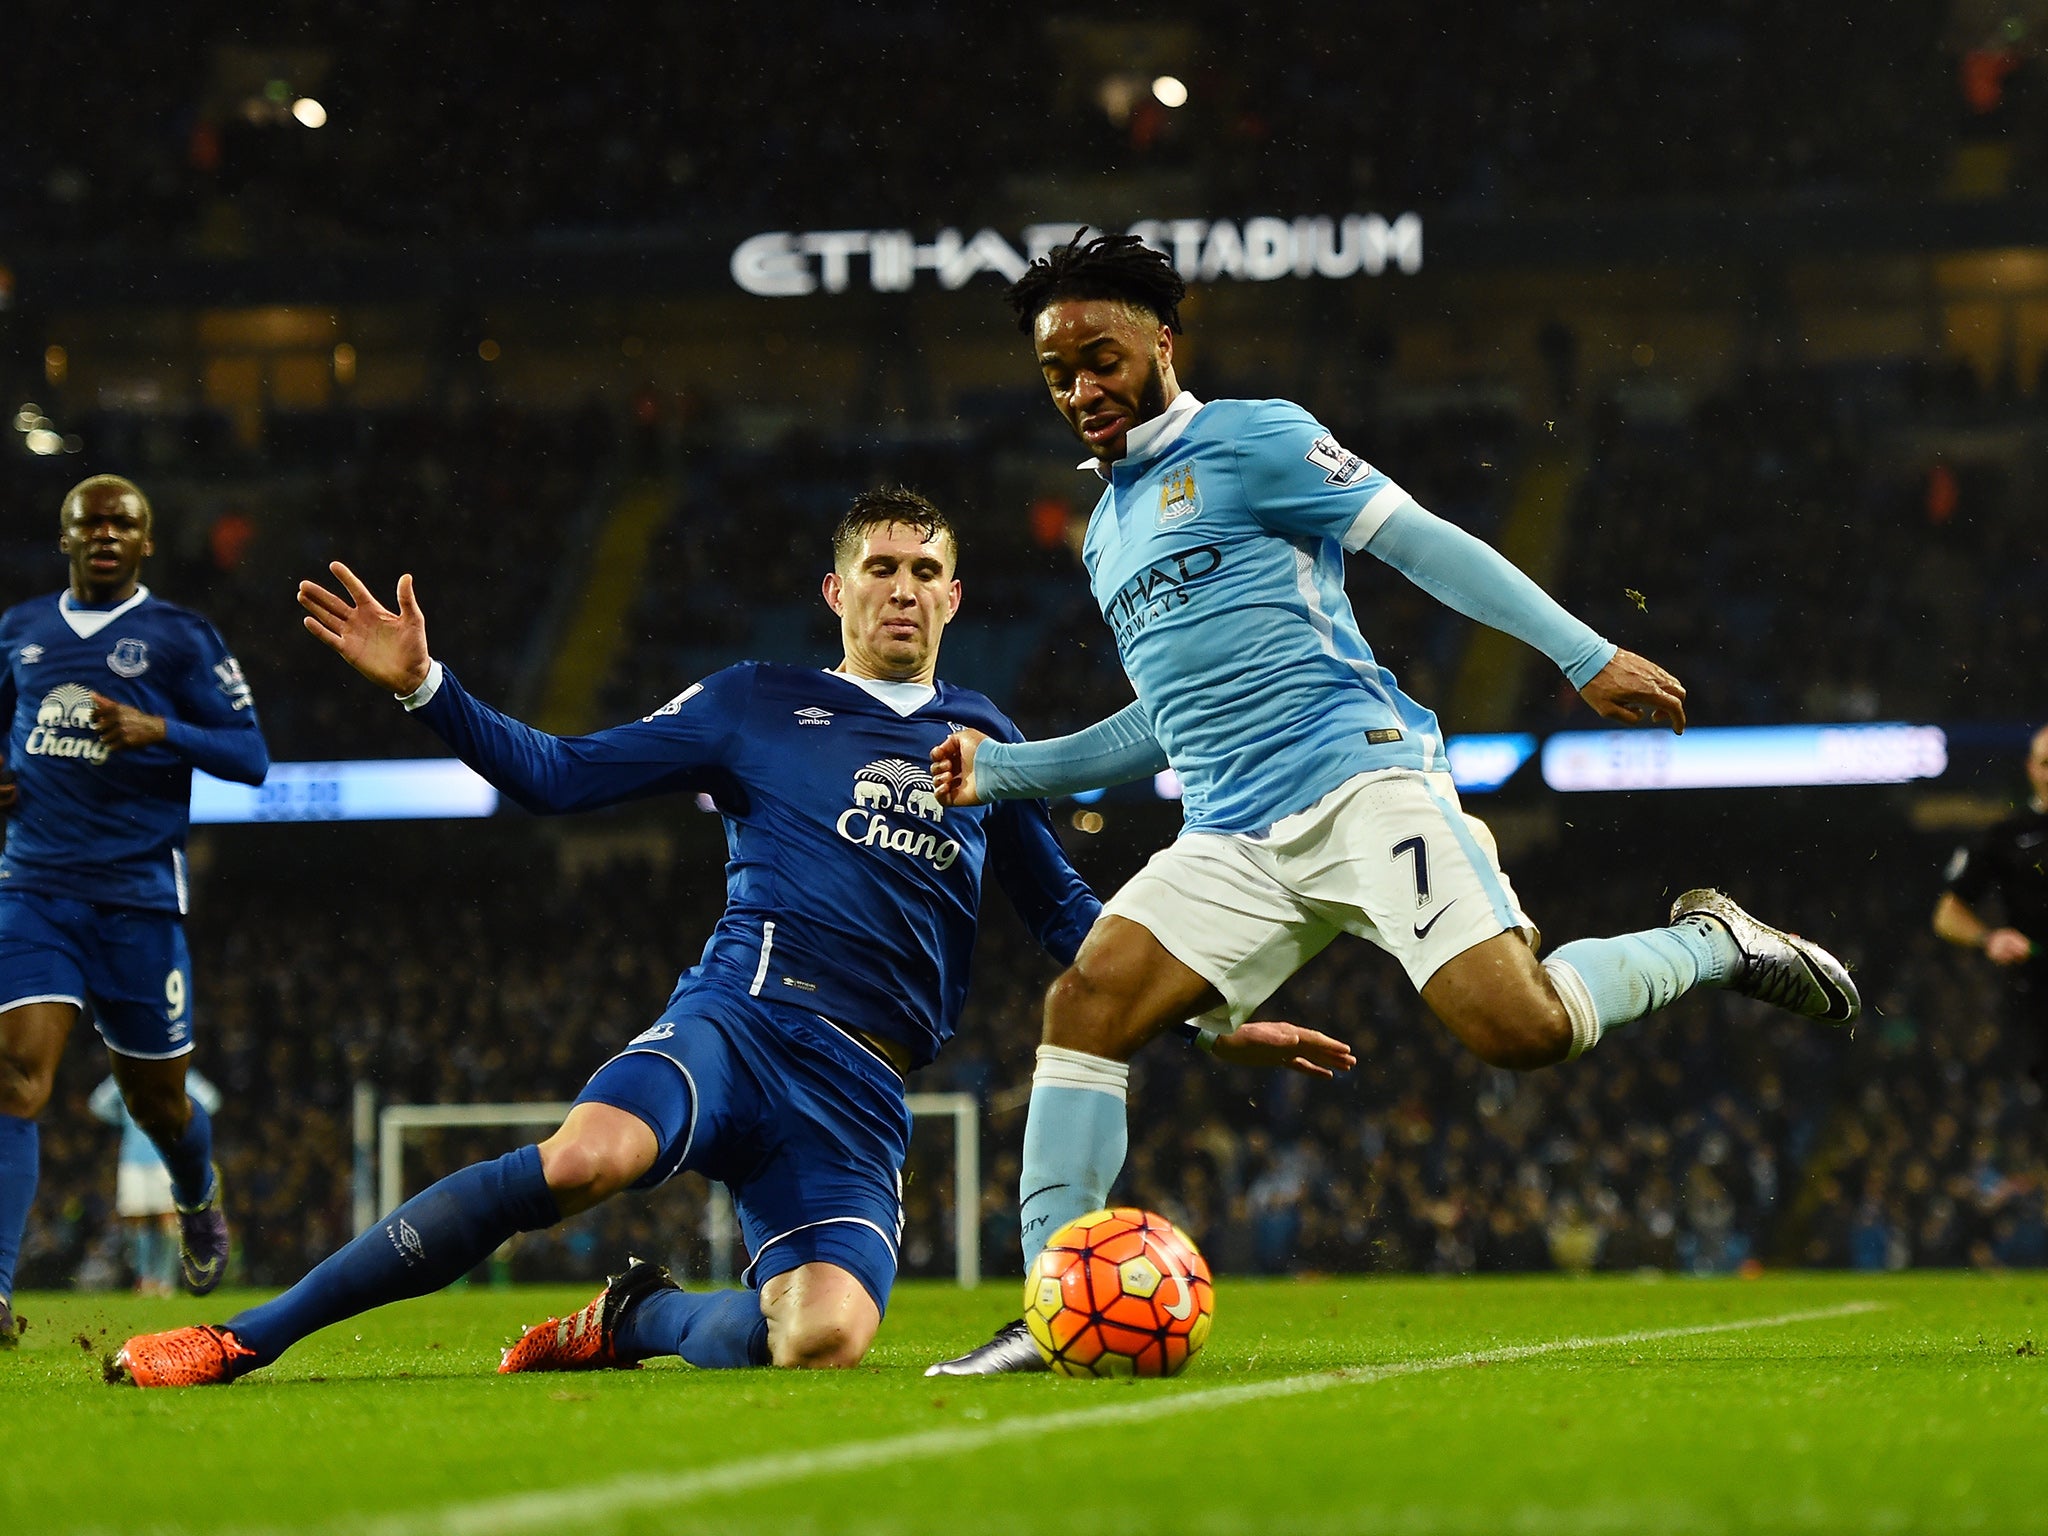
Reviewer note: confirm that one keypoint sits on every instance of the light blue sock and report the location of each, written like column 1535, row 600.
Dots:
column 1075, row 1137
column 20, row 1158
column 1608, row 982
column 719, row 1330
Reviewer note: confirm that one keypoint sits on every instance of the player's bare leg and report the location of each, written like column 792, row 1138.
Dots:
column 32, row 1039
column 598, row 1151
column 820, row 1317
column 1502, row 1005
column 154, row 1091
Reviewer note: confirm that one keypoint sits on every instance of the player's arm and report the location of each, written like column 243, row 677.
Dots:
column 1477, row 580
column 1957, row 920
column 1299, row 481
column 214, row 724
column 544, row 773
column 1058, row 907
column 972, row 768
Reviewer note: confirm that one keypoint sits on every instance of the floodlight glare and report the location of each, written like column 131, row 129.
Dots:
column 309, row 112
column 1169, row 91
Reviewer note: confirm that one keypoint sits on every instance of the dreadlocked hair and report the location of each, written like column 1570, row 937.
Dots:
column 1118, row 267
column 881, row 507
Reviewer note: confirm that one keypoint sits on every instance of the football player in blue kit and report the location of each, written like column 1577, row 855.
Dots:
column 113, row 697
column 839, row 965
column 1318, row 797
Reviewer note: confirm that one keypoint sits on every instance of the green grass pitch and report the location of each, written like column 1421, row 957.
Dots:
column 1789, row 1403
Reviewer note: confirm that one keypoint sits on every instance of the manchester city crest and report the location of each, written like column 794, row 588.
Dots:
column 1179, row 497
column 129, row 658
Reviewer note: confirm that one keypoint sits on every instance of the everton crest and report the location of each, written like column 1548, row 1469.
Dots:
column 129, row 658
column 1179, row 497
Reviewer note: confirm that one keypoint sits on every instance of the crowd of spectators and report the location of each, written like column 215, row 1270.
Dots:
column 481, row 502
column 1719, row 1136
column 440, row 124
column 1894, row 501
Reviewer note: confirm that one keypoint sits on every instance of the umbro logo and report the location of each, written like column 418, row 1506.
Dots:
column 406, row 1239
column 812, row 715
column 31, row 654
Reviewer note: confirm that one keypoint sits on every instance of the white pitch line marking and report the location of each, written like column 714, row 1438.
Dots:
column 571, row 1508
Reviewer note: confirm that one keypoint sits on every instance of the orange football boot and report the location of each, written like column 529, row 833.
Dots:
column 204, row 1356
column 584, row 1341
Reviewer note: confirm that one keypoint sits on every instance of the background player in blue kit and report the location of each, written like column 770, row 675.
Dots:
column 1318, row 798
column 113, row 697
column 839, row 964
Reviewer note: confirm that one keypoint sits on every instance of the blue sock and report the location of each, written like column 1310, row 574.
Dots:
column 1075, row 1137
column 719, row 1330
column 1608, row 982
column 437, row 1236
column 190, row 1158
column 19, row 1148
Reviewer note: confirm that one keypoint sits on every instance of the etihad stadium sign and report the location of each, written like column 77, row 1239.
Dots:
column 781, row 264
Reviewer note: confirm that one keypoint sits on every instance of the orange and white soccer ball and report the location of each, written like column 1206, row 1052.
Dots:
column 1119, row 1293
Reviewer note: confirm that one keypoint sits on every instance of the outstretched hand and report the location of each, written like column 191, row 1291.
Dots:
column 1636, row 691
column 1262, row 1043
column 390, row 649
column 953, row 767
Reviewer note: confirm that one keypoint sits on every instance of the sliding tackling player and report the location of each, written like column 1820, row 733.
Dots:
column 839, row 965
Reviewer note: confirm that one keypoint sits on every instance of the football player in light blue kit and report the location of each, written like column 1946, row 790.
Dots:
column 112, row 697
column 838, row 966
column 1318, row 799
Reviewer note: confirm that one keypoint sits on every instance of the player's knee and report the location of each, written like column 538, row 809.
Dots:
column 24, row 1086
column 582, row 1170
column 818, row 1344
column 1084, row 1014
column 1525, row 1038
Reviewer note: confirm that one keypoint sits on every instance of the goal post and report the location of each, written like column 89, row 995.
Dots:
column 380, row 1134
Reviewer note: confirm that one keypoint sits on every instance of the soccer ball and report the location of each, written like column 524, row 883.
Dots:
column 1119, row 1293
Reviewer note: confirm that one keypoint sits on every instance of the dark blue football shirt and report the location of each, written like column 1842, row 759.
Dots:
column 106, row 826
column 850, row 890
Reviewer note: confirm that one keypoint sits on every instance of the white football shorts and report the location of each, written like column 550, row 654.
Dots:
column 143, row 1189
column 1389, row 856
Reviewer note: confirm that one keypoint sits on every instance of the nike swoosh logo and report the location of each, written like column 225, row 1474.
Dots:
column 1422, row 929
column 1178, row 1311
column 1037, row 1192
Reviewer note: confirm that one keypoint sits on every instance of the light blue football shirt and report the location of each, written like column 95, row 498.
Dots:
column 1216, row 553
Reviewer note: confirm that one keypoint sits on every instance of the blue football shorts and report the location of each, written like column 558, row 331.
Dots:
column 803, row 1123
column 131, row 965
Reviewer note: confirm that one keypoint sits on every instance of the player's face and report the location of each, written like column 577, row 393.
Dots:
column 894, row 600
column 2037, row 765
column 105, row 532
column 1109, row 367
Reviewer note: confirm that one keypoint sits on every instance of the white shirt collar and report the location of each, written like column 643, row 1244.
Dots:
column 87, row 622
column 1150, row 438
column 905, row 698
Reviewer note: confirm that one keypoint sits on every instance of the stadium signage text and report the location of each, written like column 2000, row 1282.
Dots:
column 780, row 264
